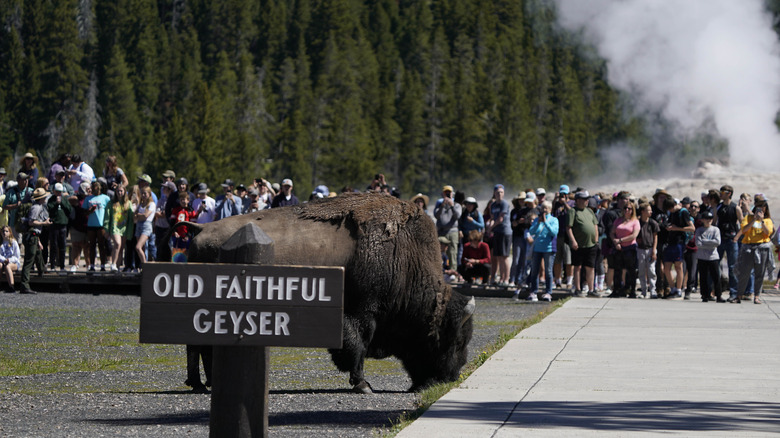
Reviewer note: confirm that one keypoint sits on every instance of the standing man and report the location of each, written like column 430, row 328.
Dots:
column 728, row 219
column 500, row 227
column 79, row 171
column 59, row 212
column 228, row 204
column 204, row 204
column 14, row 198
column 583, row 232
column 36, row 220
column 285, row 196
column 447, row 212
column 679, row 224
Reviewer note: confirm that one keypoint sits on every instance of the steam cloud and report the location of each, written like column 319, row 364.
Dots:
column 694, row 59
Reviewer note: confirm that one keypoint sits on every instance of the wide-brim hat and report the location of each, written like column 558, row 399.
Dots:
column 420, row 196
column 39, row 193
column 28, row 155
column 661, row 192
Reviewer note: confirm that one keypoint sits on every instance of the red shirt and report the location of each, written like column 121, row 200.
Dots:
column 179, row 214
column 481, row 253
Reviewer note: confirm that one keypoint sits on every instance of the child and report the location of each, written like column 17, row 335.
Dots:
column 182, row 213
column 707, row 241
column 9, row 256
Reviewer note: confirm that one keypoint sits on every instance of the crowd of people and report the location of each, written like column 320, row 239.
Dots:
column 593, row 245
column 614, row 245
column 112, row 225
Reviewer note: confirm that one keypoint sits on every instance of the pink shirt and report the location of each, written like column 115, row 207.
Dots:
column 624, row 229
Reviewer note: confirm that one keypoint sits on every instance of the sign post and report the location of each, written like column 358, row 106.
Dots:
column 242, row 307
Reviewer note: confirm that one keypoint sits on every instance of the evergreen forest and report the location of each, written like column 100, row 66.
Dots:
column 463, row 92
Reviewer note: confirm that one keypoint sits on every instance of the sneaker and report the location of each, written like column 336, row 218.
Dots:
column 594, row 294
column 674, row 295
column 579, row 294
column 687, row 296
column 511, row 284
column 114, row 268
column 91, row 268
column 516, row 296
column 547, row 297
column 653, row 296
column 585, row 289
column 532, row 297
column 74, row 268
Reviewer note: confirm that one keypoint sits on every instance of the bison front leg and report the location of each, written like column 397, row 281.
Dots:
column 352, row 354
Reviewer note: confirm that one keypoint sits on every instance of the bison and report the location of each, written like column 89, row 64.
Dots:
column 396, row 302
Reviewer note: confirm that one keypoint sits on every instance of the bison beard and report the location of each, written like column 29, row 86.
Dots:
column 395, row 300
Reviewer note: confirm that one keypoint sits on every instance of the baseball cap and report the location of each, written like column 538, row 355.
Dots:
column 169, row 185
column 498, row 186
column 564, row 189
column 530, row 197
column 2, row 171
column 540, row 191
column 582, row 195
column 203, row 188
column 447, row 189
column 228, row 182
column 146, row 178
column 706, row 214
column 241, row 187
column 182, row 180
column 22, row 175
column 287, row 182
column 169, row 174
column 59, row 187
column 470, row 200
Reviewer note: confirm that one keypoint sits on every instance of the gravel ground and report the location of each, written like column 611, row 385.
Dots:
column 308, row 395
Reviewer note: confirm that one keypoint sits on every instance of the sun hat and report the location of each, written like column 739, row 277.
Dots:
column 26, row 156
column 39, row 193
column 425, row 199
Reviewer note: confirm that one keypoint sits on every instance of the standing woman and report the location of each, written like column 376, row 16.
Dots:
column 119, row 224
column 625, row 229
column 144, row 215
column 29, row 165
column 114, row 176
column 756, row 249
column 543, row 229
column 96, row 204
column 9, row 256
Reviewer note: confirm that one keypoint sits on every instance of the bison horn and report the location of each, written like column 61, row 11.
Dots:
column 468, row 311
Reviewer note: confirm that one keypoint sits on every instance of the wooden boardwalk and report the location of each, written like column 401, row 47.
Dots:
column 82, row 281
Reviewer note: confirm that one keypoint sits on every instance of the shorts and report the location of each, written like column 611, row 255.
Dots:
column 77, row 236
column 501, row 245
column 143, row 228
column 563, row 252
column 585, row 256
column 673, row 253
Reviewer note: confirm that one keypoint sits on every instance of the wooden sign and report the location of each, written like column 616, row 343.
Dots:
column 235, row 305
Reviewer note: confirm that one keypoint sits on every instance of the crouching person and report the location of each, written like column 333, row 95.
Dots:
column 475, row 262
column 37, row 218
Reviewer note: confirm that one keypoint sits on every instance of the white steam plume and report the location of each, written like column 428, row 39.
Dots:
column 695, row 59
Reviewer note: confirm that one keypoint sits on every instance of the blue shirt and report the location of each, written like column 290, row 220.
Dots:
column 100, row 202
column 544, row 233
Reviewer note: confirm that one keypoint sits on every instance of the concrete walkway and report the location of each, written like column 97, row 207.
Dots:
column 625, row 367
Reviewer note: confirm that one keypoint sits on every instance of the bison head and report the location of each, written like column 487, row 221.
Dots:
column 441, row 358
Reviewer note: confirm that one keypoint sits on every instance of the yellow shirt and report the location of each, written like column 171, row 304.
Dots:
column 756, row 235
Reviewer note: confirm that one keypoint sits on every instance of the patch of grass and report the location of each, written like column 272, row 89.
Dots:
column 430, row 395
column 53, row 340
